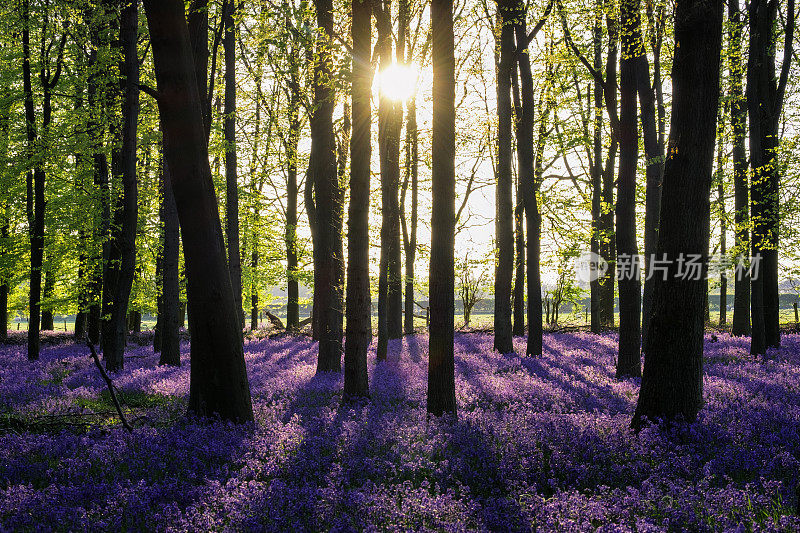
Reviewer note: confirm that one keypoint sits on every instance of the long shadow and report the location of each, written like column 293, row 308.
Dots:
column 478, row 466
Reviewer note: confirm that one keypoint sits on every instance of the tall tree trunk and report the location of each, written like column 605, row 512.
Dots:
column 5, row 130
column 672, row 381
column 504, row 210
column 411, row 175
column 30, row 127
column 218, row 380
column 606, row 236
column 98, row 256
column 736, row 69
column 441, row 363
column 359, row 305
column 292, row 287
column 530, row 185
column 597, row 164
column 765, row 95
column 328, row 253
column 519, row 223
column 723, row 224
column 48, row 78
column 169, row 312
column 114, row 337
column 390, row 304
column 410, row 229
column 629, row 279
column 654, row 157
column 231, row 175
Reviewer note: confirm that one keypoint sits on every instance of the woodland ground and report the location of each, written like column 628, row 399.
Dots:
column 540, row 443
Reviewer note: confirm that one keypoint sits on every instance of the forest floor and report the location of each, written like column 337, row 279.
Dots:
column 539, row 444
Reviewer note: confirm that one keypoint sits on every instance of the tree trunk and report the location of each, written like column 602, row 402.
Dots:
column 606, row 222
column 5, row 129
column 629, row 279
column 736, row 69
column 292, row 287
column 169, row 315
column 519, row 262
column 114, row 337
column 654, row 157
column 723, row 224
column 359, row 305
column 412, row 172
column 597, row 166
column 441, row 363
column 231, row 175
column 672, row 381
column 504, row 209
column 218, row 380
column 35, row 186
column 390, row 113
column 328, row 253
column 765, row 94
column 530, row 185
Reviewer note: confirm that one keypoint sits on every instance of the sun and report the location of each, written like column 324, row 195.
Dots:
column 397, row 82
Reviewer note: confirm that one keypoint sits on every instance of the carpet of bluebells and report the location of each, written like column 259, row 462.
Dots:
column 539, row 444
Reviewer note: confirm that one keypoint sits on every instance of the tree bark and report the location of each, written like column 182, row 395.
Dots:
column 328, row 253
column 629, row 280
column 654, row 158
column 597, row 165
column 231, row 175
column 736, row 69
column 606, row 221
column 441, row 363
column 116, row 329
column 410, row 239
column 35, row 204
column 218, row 379
column 529, row 185
column 765, row 95
column 411, row 175
column 504, row 209
column 359, row 304
column 390, row 303
column 723, row 224
column 290, row 237
column 169, row 314
column 672, row 381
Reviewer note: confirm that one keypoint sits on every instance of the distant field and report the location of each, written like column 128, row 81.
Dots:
column 477, row 321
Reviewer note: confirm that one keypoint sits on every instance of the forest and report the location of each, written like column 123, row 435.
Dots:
column 363, row 265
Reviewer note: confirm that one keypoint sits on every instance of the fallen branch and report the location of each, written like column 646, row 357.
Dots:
column 276, row 322
column 110, row 386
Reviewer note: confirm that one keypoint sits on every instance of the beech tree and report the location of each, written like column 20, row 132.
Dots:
column 629, row 281
column 765, row 97
column 504, row 211
column 218, row 380
column 441, row 363
column 123, row 247
column 738, row 115
column 358, row 334
column 672, row 381
column 328, row 204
